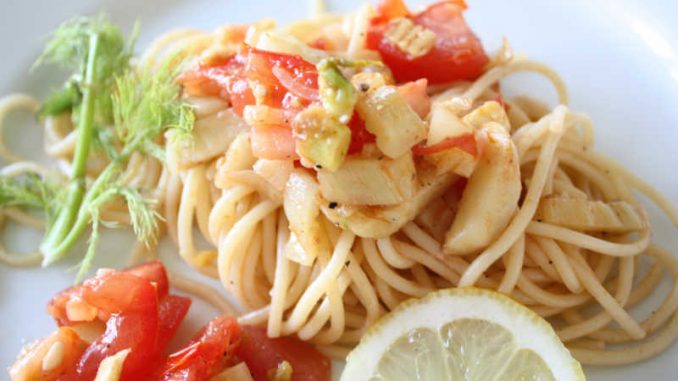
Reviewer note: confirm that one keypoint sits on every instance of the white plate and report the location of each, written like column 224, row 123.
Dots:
column 619, row 59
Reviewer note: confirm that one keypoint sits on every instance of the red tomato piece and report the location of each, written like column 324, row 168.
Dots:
column 29, row 364
column 132, row 304
column 262, row 354
column 226, row 79
column 275, row 143
column 457, row 54
column 390, row 9
column 139, row 313
column 281, row 73
column 57, row 306
column 271, row 75
column 359, row 134
column 322, row 44
column 171, row 312
column 416, row 96
column 465, row 143
column 206, row 355
column 154, row 272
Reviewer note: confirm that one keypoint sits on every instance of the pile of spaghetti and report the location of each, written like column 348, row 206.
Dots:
column 340, row 165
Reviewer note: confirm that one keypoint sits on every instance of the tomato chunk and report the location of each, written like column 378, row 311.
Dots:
column 154, row 272
column 206, row 355
column 390, row 9
column 29, row 365
column 132, row 304
column 456, row 55
column 171, row 312
column 415, row 95
column 359, row 134
column 262, row 354
column 138, row 312
column 465, row 143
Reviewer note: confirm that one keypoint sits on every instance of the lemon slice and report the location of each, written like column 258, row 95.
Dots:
column 461, row 334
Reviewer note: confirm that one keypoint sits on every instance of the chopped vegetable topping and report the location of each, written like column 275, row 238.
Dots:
column 413, row 40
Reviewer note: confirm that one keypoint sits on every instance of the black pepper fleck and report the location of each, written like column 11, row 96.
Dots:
column 364, row 87
column 332, row 205
column 318, row 166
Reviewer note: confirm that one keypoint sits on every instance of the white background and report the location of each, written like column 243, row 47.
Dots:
column 619, row 59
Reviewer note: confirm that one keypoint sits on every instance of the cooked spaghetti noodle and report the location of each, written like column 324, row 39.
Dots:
column 584, row 282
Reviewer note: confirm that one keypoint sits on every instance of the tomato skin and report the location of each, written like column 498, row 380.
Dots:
column 322, row 44
column 273, row 143
column 465, row 143
column 457, row 54
column 154, row 272
column 261, row 354
column 57, row 305
column 359, row 134
column 282, row 73
column 28, row 366
column 390, row 9
column 132, row 303
column 171, row 312
column 206, row 355
column 415, row 95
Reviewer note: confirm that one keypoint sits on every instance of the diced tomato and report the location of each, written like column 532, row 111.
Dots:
column 278, row 80
column 390, row 9
column 322, row 44
column 274, row 143
column 154, row 272
column 206, row 355
column 240, row 93
column 132, row 304
column 262, row 354
column 29, row 364
column 139, row 314
column 57, row 306
column 171, row 312
column 226, row 79
column 457, row 54
column 270, row 75
column 465, row 143
column 281, row 73
column 415, row 95
column 359, row 134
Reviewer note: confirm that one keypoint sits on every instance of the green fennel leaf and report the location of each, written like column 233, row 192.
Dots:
column 62, row 100
column 144, row 217
column 147, row 104
column 69, row 47
column 26, row 191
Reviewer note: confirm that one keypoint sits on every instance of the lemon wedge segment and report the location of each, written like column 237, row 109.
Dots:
column 464, row 334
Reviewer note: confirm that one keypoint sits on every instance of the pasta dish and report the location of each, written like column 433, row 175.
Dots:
column 328, row 170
